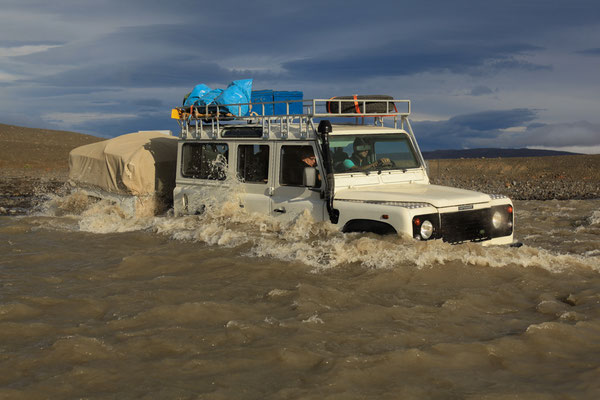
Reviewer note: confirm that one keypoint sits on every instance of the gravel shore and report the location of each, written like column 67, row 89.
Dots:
column 34, row 164
column 523, row 178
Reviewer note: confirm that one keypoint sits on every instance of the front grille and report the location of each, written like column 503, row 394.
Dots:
column 462, row 226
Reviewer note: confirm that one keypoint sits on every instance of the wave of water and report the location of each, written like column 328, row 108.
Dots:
column 321, row 245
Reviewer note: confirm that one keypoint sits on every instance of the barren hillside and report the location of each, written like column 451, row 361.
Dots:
column 34, row 162
column 27, row 151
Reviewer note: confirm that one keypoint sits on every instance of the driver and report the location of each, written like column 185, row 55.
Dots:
column 359, row 160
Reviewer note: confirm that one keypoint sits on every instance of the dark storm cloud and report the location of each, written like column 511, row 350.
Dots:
column 580, row 133
column 179, row 71
column 49, row 92
column 481, row 90
column 493, row 120
column 396, row 59
column 144, row 121
column 167, row 50
column 152, row 103
column 227, row 30
column 507, row 64
column 183, row 69
column 505, row 14
column 128, row 43
column 458, row 132
column 590, row 52
column 440, row 53
column 18, row 43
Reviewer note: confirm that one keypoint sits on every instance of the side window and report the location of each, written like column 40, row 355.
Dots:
column 204, row 160
column 293, row 161
column 253, row 163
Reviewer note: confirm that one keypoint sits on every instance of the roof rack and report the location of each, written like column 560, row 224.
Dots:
column 212, row 121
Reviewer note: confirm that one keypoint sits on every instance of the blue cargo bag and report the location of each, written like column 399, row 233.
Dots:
column 209, row 98
column 237, row 92
column 198, row 91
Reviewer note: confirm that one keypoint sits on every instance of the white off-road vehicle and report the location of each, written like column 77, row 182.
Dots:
column 359, row 167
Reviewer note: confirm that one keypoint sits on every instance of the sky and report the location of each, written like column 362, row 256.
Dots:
column 483, row 73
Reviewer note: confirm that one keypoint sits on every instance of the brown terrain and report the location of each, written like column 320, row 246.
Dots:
column 523, row 178
column 34, row 162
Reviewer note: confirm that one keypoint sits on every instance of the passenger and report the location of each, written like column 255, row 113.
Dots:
column 308, row 156
column 310, row 160
column 299, row 159
column 359, row 160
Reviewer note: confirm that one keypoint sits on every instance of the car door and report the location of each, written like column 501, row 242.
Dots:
column 290, row 197
column 254, row 162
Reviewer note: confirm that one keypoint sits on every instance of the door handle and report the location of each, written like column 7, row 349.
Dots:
column 280, row 210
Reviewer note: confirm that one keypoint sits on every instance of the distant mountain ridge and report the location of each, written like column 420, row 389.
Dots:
column 492, row 153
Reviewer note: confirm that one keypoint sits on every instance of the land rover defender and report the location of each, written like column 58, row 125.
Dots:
column 359, row 167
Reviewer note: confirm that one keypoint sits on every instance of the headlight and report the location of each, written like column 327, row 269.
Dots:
column 501, row 220
column 426, row 229
column 426, row 226
column 497, row 220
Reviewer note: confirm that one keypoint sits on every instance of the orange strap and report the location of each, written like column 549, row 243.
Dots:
column 356, row 106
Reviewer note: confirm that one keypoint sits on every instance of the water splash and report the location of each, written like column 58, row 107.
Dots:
column 594, row 219
column 319, row 245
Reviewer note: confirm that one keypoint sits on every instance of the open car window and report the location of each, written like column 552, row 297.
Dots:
column 365, row 153
column 204, row 160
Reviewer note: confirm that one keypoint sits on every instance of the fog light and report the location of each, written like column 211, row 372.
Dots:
column 426, row 229
column 497, row 220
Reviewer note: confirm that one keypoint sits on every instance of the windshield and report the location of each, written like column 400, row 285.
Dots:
column 365, row 153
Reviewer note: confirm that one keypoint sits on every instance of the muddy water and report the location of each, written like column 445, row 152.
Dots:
column 230, row 306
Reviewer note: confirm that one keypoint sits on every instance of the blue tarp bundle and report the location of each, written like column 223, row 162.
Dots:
column 237, row 92
column 198, row 91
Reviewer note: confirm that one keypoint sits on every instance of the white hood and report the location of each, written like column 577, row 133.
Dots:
column 438, row 196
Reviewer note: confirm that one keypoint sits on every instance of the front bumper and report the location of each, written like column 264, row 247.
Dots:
column 492, row 225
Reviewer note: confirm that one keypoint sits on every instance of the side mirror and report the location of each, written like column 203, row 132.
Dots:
column 309, row 176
